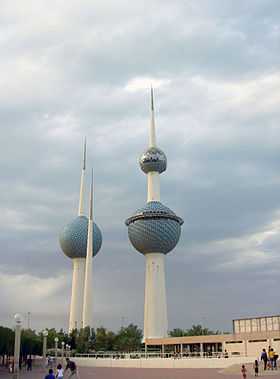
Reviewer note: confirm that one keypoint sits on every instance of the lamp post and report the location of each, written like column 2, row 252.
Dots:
column 62, row 349
column 45, row 335
column 18, row 320
column 69, row 350
column 55, row 347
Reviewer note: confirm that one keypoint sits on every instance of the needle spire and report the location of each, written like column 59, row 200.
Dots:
column 152, row 134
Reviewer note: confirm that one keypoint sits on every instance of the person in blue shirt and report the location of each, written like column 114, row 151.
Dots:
column 50, row 374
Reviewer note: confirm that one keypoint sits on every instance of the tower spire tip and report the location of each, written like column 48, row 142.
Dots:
column 152, row 98
column 85, row 153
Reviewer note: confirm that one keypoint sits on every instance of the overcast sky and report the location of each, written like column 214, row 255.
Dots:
column 72, row 68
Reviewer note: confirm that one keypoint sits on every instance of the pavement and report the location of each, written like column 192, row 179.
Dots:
column 144, row 373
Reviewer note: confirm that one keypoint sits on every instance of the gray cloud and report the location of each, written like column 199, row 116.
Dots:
column 75, row 70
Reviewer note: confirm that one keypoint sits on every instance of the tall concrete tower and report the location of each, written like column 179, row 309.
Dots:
column 87, row 305
column 73, row 241
column 154, row 231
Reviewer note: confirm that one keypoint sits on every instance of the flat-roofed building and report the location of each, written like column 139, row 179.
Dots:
column 249, row 337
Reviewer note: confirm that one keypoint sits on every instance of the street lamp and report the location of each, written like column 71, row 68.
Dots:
column 55, row 347
column 66, row 350
column 18, row 321
column 68, row 347
column 62, row 349
column 45, row 335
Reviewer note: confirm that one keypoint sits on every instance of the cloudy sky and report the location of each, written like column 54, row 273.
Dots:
column 72, row 68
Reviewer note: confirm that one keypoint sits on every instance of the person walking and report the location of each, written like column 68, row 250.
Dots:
column 50, row 374
column 271, row 358
column 264, row 358
column 71, row 366
column 59, row 373
column 275, row 360
column 256, row 367
column 29, row 363
column 244, row 372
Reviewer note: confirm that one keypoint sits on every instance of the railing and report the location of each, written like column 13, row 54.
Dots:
column 148, row 355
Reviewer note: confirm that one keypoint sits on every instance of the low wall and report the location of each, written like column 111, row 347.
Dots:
column 163, row 362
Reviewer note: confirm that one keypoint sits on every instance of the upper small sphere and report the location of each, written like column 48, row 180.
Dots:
column 153, row 159
column 73, row 238
column 18, row 318
column 154, row 229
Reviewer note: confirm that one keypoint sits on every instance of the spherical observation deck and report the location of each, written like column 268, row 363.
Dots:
column 153, row 159
column 154, row 228
column 73, row 238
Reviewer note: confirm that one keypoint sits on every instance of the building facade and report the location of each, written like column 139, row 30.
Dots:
column 242, row 342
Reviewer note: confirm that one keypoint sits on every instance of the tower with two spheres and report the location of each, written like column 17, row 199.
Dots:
column 81, row 240
column 154, row 231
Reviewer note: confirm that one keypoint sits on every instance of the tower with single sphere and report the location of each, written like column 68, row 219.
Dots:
column 73, row 241
column 154, row 231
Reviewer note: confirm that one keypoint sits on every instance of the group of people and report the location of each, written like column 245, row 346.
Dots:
column 26, row 362
column 59, row 374
column 269, row 359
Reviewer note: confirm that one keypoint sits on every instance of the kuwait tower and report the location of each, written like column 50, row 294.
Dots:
column 154, row 231
column 74, row 243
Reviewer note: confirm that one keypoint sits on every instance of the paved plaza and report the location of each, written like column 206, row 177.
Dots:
column 134, row 373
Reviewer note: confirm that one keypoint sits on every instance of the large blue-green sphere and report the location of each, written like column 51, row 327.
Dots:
column 153, row 159
column 154, row 228
column 73, row 238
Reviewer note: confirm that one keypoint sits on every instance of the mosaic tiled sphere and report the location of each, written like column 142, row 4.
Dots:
column 73, row 238
column 153, row 159
column 154, row 229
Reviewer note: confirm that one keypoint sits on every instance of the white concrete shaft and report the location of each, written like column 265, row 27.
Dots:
column 81, row 200
column 78, row 282
column 17, row 351
column 153, row 186
column 87, row 306
column 155, row 311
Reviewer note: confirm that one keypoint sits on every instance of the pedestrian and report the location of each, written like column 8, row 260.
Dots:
column 71, row 366
column 275, row 360
column 59, row 372
column 271, row 357
column 264, row 358
column 244, row 372
column 256, row 367
column 50, row 374
column 29, row 363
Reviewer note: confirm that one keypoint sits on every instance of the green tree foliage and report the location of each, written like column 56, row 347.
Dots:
column 104, row 339
column 7, row 338
column 30, row 343
column 129, row 338
column 87, row 340
column 195, row 330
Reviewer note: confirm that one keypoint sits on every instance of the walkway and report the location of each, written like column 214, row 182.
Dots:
column 128, row 373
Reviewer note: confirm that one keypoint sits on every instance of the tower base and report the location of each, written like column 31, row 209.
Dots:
column 78, row 282
column 155, row 311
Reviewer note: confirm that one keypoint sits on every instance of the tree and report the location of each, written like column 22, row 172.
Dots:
column 195, row 330
column 104, row 339
column 198, row 330
column 30, row 343
column 129, row 338
column 177, row 332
